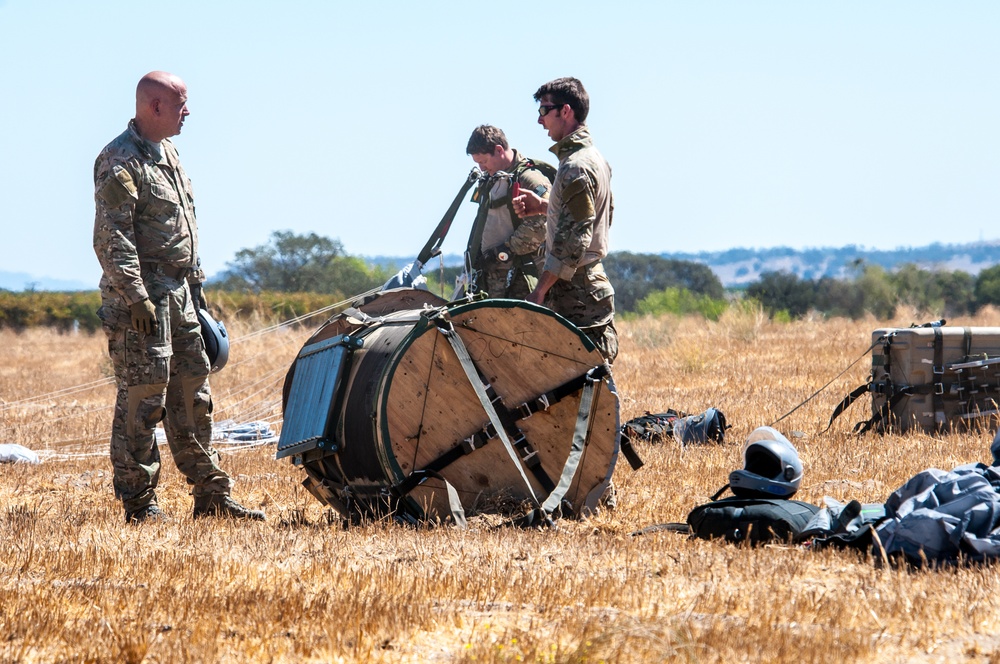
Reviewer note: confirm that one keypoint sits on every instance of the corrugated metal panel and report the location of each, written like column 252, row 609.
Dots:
column 318, row 372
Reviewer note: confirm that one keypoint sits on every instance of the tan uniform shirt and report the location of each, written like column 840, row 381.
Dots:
column 580, row 206
column 145, row 213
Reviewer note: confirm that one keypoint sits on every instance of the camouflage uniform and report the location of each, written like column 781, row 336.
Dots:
column 578, row 223
column 525, row 238
column 146, row 239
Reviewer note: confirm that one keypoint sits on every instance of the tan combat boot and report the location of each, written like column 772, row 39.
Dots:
column 218, row 505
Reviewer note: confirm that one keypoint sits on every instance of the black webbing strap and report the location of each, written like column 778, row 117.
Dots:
column 528, row 455
column 884, row 414
column 811, row 396
column 715, row 496
column 467, row 446
column 445, row 327
column 433, row 246
column 938, row 369
column 581, row 436
column 633, row 458
column 853, row 396
column 524, row 411
column 418, row 477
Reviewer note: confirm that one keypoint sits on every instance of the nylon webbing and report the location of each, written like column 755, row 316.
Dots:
column 446, row 328
column 938, row 369
column 418, row 477
column 581, row 435
column 810, row 398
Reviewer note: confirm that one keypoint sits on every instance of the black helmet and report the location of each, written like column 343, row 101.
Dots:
column 771, row 467
column 216, row 340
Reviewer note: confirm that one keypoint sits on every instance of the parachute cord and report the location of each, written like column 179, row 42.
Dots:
column 83, row 387
column 298, row 319
column 810, row 398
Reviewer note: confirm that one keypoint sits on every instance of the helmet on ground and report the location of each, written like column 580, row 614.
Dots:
column 771, row 467
column 216, row 340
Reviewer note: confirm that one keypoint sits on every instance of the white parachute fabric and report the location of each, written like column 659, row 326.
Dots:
column 12, row 453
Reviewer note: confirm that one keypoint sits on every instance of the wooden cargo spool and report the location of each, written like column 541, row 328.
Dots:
column 383, row 415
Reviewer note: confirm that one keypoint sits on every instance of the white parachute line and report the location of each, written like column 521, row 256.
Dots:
column 100, row 382
column 48, row 455
column 268, row 378
column 66, row 391
column 286, row 343
column 241, row 446
column 49, row 420
column 262, row 411
column 105, row 437
column 298, row 319
column 265, row 407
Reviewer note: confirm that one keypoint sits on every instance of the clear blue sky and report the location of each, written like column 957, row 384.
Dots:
column 737, row 123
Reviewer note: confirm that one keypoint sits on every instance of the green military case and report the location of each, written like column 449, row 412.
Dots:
column 934, row 378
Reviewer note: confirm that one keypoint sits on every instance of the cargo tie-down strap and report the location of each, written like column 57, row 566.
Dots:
column 893, row 393
column 581, row 431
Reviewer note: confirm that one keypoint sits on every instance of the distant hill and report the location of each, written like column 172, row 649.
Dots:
column 739, row 267
column 734, row 267
column 19, row 281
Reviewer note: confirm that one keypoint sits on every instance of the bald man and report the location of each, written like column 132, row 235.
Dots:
column 146, row 239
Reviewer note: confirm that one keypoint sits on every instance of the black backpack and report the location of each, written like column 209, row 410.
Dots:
column 658, row 427
column 753, row 520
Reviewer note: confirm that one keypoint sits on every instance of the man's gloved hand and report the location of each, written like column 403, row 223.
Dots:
column 198, row 297
column 143, row 317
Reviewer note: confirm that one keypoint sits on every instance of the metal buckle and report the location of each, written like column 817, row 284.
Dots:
column 938, row 388
column 525, row 409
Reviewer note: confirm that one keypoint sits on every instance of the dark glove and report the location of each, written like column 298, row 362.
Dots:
column 198, row 298
column 143, row 317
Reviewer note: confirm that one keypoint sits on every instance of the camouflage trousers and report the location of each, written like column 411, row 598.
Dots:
column 588, row 301
column 160, row 377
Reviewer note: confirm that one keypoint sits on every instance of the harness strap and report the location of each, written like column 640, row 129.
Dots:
column 445, row 327
column 481, row 438
column 814, row 394
column 433, row 245
column 846, row 403
column 884, row 414
column 938, row 369
column 581, row 435
column 418, row 477
column 528, row 455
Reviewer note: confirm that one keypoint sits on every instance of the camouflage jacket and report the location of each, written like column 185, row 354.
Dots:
column 502, row 226
column 145, row 212
column 580, row 206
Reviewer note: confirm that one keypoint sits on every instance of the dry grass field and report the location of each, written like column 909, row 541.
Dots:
column 78, row 585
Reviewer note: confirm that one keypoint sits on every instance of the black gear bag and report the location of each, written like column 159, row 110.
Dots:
column 753, row 520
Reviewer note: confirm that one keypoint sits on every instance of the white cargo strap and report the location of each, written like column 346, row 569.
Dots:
column 581, row 434
column 448, row 330
column 418, row 477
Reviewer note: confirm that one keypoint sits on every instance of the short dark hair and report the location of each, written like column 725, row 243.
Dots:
column 567, row 90
column 484, row 139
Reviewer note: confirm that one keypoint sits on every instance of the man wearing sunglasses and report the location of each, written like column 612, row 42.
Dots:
column 578, row 213
column 505, row 252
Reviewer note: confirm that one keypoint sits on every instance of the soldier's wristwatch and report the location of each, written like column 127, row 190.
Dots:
column 502, row 255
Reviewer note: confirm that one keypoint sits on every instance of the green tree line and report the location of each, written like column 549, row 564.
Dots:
column 291, row 275
column 872, row 289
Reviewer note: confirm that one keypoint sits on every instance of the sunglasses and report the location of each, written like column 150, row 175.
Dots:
column 544, row 109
